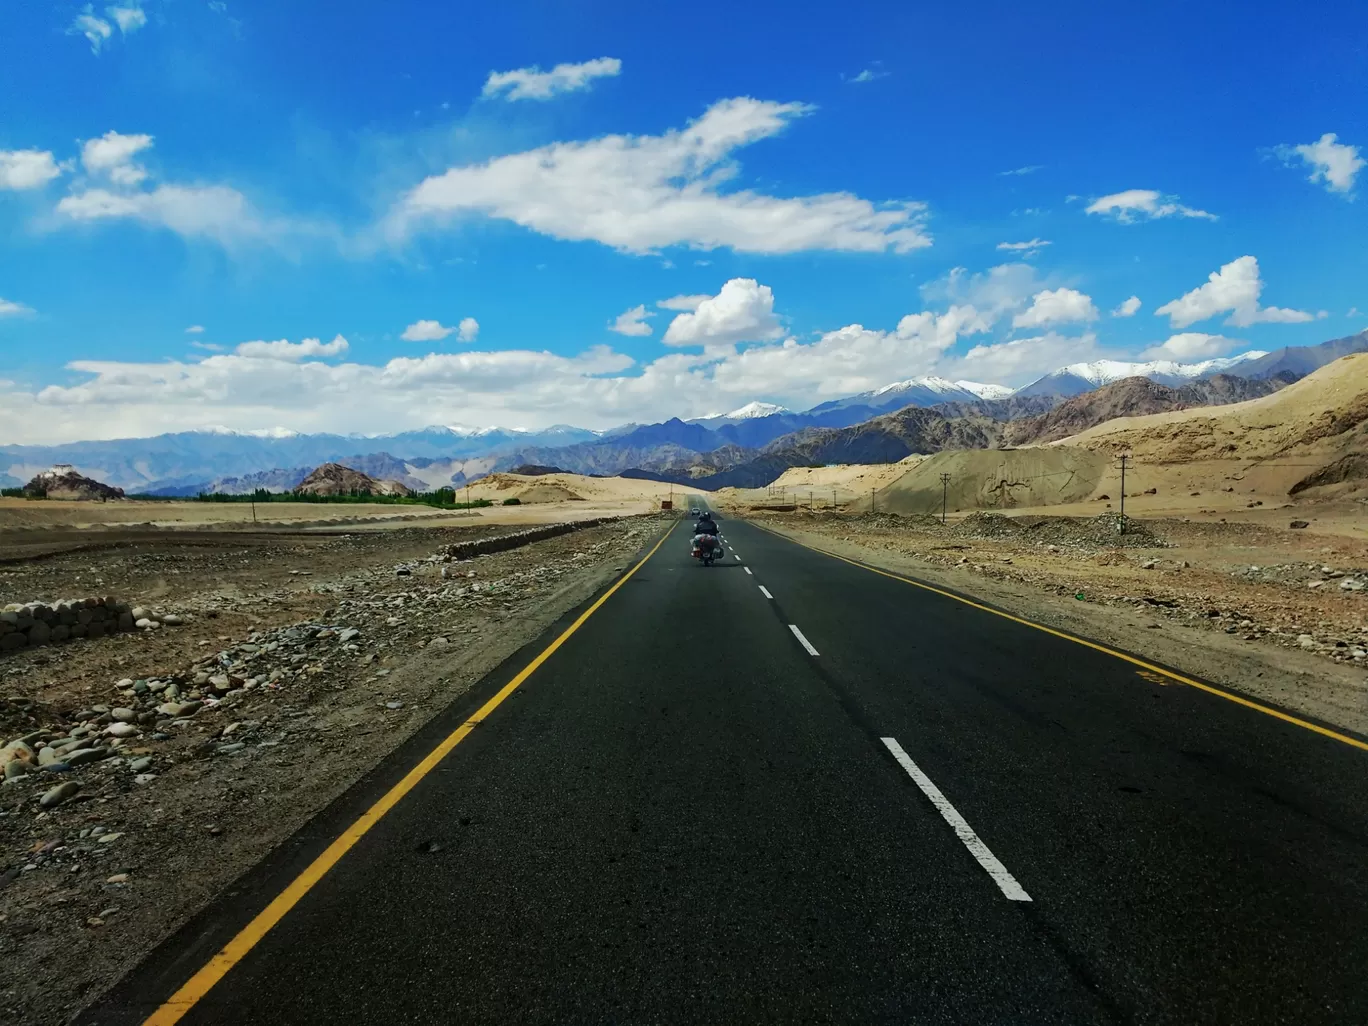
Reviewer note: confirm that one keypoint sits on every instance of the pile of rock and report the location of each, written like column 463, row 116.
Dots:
column 33, row 624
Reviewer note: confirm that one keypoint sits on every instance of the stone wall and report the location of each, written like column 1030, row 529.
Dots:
column 35, row 623
column 517, row 539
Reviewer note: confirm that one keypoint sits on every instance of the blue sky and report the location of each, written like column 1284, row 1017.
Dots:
column 818, row 193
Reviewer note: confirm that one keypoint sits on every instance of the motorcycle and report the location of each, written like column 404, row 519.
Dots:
column 707, row 549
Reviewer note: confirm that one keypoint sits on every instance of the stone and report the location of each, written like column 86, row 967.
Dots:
column 439, row 643
column 39, row 634
column 146, row 624
column 172, row 620
column 81, row 756
column 109, row 838
column 47, row 756
column 16, row 768
column 229, row 749
column 348, row 634
column 1298, row 524
column 117, row 878
column 140, row 613
column 124, row 715
column 55, row 796
column 61, row 632
column 1307, row 642
column 141, row 765
column 121, row 730
column 1315, row 584
column 1149, row 564
column 1350, row 584
column 144, row 778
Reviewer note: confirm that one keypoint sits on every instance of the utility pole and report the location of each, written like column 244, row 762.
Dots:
column 945, row 487
column 812, row 503
column 254, row 508
column 871, row 500
column 467, row 493
column 1121, row 527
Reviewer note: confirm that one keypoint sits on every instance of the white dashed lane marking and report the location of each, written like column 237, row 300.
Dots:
column 802, row 640
column 765, row 591
column 1005, row 881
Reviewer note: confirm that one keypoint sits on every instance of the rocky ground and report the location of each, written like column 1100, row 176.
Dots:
column 1282, row 614
column 144, row 772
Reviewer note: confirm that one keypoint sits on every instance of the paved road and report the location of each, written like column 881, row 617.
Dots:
column 907, row 810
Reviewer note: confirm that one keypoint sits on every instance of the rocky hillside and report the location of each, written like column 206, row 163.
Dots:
column 335, row 479
column 63, row 482
column 1134, row 397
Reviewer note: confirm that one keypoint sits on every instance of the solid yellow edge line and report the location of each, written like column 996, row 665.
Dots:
column 184, row 999
column 1134, row 661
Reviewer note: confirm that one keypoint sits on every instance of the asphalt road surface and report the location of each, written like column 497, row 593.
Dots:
column 789, row 789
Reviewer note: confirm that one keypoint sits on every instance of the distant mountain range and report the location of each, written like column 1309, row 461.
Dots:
column 697, row 450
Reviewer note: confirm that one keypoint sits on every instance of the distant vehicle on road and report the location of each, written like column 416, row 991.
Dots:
column 693, row 512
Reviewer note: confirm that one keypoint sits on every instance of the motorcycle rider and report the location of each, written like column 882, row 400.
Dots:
column 705, row 533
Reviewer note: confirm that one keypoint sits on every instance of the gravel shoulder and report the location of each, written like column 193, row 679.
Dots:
column 300, row 665
column 1227, row 603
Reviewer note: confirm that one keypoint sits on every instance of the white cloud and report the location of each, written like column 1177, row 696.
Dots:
column 212, row 211
column 641, row 193
column 27, row 169
column 468, row 330
column 1235, row 289
column 112, row 154
column 1189, row 345
column 1334, row 163
column 1056, row 306
column 867, row 75
column 195, row 329
column 212, row 347
column 1128, row 308
column 1029, row 169
column 534, row 84
column 1023, row 359
column 1025, row 249
column 1143, row 205
column 9, row 308
column 426, row 331
column 993, row 292
column 632, row 322
column 743, row 311
column 95, row 29
column 292, row 352
column 129, row 19
column 682, row 302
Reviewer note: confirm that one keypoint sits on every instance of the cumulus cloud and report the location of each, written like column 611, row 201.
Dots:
column 743, row 311
column 1025, row 249
column 426, row 331
column 1234, row 289
column 993, row 292
column 27, row 169
column 1128, row 308
column 534, row 84
column 1056, row 306
column 632, row 322
column 1143, row 205
column 468, row 330
column 292, row 352
column 9, row 308
column 112, row 155
column 1334, row 163
column 641, row 193
column 1190, row 345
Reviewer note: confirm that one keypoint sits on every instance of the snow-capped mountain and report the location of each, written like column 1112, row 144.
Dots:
column 986, row 391
column 757, row 409
column 1077, row 378
column 922, row 391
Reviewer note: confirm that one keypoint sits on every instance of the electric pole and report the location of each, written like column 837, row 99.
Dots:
column 945, row 487
column 1121, row 527
column 871, row 500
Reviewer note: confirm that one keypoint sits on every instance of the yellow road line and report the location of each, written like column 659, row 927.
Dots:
column 1277, row 714
column 236, row 949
